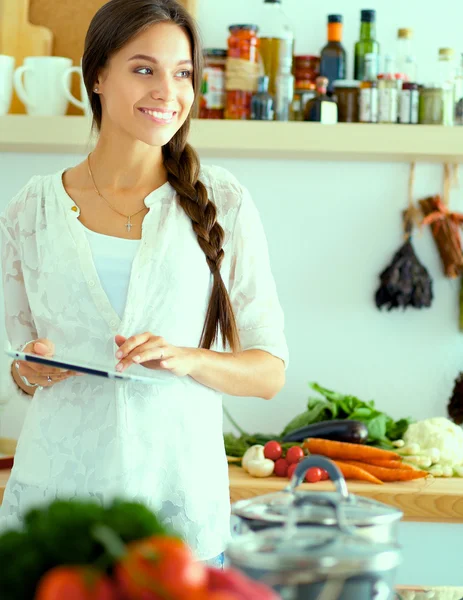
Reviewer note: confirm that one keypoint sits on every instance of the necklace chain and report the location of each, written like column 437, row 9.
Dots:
column 128, row 225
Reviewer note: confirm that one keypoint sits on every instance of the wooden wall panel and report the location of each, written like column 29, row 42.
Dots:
column 69, row 21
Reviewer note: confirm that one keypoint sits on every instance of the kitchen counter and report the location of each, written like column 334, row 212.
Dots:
column 438, row 500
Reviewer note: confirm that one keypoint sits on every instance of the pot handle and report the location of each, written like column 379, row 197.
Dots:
column 322, row 462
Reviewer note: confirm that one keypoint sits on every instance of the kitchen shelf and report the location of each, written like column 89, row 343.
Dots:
column 437, row 500
column 257, row 139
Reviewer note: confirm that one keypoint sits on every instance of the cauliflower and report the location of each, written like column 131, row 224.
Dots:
column 441, row 434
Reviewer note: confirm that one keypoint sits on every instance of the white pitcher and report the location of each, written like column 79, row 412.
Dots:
column 84, row 103
column 6, row 82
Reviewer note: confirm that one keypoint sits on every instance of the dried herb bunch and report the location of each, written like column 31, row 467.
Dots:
column 455, row 405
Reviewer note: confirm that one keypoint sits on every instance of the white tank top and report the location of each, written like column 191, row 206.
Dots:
column 113, row 258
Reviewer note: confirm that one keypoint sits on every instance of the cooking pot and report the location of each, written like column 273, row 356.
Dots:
column 313, row 545
column 371, row 519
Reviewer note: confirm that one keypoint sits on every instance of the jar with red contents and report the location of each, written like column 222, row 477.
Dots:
column 212, row 98
column 241, row 71
column 306, row 70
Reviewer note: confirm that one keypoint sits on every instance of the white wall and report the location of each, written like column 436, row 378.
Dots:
column 332, row 227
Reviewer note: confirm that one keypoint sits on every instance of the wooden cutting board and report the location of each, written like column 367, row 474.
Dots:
column 20, row 38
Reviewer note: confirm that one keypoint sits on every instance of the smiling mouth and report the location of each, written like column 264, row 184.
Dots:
column 159, row 116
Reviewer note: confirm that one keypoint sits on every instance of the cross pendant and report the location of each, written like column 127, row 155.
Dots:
column 128, row 225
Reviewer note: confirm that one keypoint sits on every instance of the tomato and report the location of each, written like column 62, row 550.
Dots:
column 313, row 475
column 273, row 450
column 161, row 568
column 325, row 475
column 75, row 583
column 237, row 583
column 291, row 470
column 294, row 454
column 220, row 595
column 281, row 467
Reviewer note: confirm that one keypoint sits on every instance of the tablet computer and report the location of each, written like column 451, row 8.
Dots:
column 156, row 378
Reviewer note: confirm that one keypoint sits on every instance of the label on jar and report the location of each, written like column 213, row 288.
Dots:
column 213, row 88
column 329, row 113
column 388, row 105
column 369, row 105
column 409, row 107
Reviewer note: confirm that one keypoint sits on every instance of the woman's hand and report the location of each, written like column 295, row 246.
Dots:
column 153, row 352
column 39, row 374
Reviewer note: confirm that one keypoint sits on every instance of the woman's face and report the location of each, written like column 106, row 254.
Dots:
column 146, row 89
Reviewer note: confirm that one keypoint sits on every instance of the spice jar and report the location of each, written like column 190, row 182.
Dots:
column 431, row 109
column 212, row 98
column 409, row 101
column 242, row 71
column 300, row 99
column 347, row 93
column 306, row 69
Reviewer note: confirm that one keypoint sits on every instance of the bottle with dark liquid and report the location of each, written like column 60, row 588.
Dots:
column 322, row 108
column 262, row 104
column 333, row 56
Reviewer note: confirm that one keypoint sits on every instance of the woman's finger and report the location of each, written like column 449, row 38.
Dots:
column 142, row 356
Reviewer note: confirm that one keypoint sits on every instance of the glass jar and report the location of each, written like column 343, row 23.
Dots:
column 409, row 101
column 212, row 98
column 306, row 68
column 300, row 99
column 347, row 93
column 242, row 70
column 431, row 108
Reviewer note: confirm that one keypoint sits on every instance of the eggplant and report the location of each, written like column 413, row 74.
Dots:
column 338, row 430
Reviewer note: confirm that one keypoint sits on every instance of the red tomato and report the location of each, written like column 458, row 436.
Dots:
column 281, row 467
column 291, row 470
column 235, row 582
column 220, row 595
column 294, row 454
column 75, row 583
column 273, row 450
column 313, row 475
column 325, row 475
column 160, row 568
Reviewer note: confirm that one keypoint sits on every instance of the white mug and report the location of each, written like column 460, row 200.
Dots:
column 6, row 82
column 42, row 91
column 84, row 103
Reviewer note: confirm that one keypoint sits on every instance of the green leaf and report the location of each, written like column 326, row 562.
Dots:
column 397, row 429
column 377, row 427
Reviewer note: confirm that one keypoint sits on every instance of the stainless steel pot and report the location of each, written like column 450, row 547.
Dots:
column 318, row 546
column 371, row 519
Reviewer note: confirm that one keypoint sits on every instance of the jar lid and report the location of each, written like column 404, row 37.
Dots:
column 215, row 52
column 243, row 27
column 312, row 554
column 405, row 33
column 346, row 83
column 446, row 52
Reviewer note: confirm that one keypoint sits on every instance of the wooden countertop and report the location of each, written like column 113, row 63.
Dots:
column 425, row 500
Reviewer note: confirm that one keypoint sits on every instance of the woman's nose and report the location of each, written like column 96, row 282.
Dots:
column 163, row 89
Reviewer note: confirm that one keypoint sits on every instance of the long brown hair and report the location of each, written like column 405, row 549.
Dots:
column 114, row 25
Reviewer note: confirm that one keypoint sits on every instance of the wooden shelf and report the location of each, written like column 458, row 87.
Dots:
column 438, row 500
column 257, row 139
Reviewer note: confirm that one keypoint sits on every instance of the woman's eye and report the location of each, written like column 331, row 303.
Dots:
column 144, row 71
column 185, row 74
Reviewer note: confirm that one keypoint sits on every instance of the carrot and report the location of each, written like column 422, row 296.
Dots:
column 389, row 464
column 389, row 474
column 353, row 472
column 347, row 451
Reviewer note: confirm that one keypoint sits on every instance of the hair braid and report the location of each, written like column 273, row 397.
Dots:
column 183, row 172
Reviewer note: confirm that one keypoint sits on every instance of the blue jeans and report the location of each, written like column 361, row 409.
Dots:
column 216, row 562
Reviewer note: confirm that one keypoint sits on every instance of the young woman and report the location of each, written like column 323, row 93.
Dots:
column 137, row 256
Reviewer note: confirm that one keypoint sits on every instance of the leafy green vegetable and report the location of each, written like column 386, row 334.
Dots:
column 62, row 533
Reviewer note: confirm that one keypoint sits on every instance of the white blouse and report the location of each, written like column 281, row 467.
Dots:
column 87, row 436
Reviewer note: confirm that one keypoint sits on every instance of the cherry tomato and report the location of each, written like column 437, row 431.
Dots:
column 281, row 467
column 75, row 583
column 273, row 450
column 325, row 475
column 291, row 470
column 313, row 475
column 160, row 563
column 294, row 454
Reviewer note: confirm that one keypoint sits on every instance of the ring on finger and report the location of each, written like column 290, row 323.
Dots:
column 162, row 354
column 49, row 379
